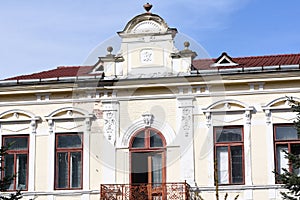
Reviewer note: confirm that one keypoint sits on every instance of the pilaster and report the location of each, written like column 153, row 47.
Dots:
column 111, row 133
column 111, row 120
column 185, row 126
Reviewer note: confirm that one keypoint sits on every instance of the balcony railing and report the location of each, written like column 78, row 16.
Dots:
column 162, row 191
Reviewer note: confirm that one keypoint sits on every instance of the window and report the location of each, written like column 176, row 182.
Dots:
column 286, row 139
column 148, row 158
column 147, row 138
column 68, row 152
column 16, row 161
column 229, row 148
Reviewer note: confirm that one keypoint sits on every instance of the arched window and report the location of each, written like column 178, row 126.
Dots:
column 147, row 139
column 147, row 150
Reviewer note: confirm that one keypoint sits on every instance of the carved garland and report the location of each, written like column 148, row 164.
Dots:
column 186, row 120
column 109, row 124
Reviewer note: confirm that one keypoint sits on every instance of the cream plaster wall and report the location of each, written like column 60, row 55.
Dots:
column 259, row 149
column 42, row 163
column 96, row 159
column 165, row 111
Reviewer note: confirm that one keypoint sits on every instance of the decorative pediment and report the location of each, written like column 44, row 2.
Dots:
column 69, row 118
column 17, row 116
column 224, row 107
column 281, row 103
column 145, row 23
column 223, row 61
column 227, row 106
column 18, row 121
column 69, row 113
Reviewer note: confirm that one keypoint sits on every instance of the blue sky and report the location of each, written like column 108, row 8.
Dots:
column 40, row 35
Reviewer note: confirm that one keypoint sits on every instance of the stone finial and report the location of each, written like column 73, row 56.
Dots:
column 186, row 44
column 147, row 7
column 109, row 49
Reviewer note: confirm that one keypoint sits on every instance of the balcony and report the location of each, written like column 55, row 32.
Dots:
column 161, row 191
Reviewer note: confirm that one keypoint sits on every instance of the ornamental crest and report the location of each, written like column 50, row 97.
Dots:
column 148, row 119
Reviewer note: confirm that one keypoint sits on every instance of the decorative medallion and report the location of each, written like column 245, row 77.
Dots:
column 146, row 56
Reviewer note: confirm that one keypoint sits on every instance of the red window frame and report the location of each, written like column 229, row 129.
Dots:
column 15, row 153
column 148, row 149
column 288, row 142
column 147, row 140
column 68, row 151
column 230, row 144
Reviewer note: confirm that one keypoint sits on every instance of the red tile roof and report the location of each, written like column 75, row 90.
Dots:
column 201, row 64
column 252, row 61
column 71, row 71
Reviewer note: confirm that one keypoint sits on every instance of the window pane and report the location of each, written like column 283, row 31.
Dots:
column 295, row 149
column 69, row 141
column 139, row 167
column 76, row 166
column 62, row 174
column 18, row 143
column 282, row 162
column 222, row 164
column 236, row 164
column 9, row 170
column 21, row 173
column 228, row 134
column 286, row 132
column 139, row 140
column 156, row 170
column 155, row 140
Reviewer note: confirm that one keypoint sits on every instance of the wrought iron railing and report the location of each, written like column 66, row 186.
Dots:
column 163, row 191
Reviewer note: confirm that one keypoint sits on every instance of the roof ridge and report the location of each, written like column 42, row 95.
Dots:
column 60, row 71
column 66, row 66
column 270, row 55
column 247, row 57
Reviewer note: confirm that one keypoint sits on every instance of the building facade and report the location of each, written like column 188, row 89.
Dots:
column 151, row 120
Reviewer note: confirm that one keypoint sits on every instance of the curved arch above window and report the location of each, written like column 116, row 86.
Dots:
column 279, row 103
column 227, row 105
column 282, row 107
column 75, row 117
column 25, row 119
column 147, row 138
column 17, row 115
column 69, row 113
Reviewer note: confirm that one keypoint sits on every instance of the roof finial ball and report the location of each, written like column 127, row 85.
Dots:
column 109, row 49
column 186, row 44
column 147, row 7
